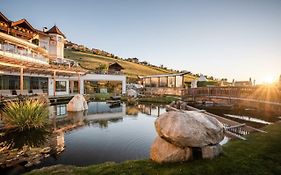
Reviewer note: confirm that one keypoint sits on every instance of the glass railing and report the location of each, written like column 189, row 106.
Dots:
column 22, row 55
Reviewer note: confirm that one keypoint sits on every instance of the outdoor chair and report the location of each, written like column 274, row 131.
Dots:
column 37, row 92
column 24, row 92
column 6, row 93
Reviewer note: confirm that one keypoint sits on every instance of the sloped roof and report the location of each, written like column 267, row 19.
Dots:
column 163, row 75
column 116, row 64
column 23, row 21
column 202, row 78
column 55, row 30
column 4, row 17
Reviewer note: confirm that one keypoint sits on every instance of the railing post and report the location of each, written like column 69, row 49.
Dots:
column 54, row 83
column 21, row 80
column 79, row 84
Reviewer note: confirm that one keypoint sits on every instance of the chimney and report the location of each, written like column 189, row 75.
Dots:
column 45, row 29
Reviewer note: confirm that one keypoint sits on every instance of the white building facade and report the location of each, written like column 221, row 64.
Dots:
column 32, row 62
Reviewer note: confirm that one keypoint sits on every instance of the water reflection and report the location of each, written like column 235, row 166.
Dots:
column 103, row 133
column 14, row 139
column 132, row 110
column 29, row 147
column 152, row 109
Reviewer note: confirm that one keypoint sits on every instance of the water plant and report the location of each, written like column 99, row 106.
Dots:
column 27, row 114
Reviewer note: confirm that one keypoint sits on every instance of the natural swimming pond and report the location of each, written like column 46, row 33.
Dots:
column 103, row 133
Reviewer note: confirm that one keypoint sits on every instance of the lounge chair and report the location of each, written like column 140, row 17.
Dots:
column 37, row 92
column 24, row 92
column 6, row 93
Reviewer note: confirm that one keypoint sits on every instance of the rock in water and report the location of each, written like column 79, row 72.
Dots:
column 189, row 129
column 163, row 151
column 77, row 103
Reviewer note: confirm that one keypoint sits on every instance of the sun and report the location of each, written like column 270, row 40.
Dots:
column 268, row 79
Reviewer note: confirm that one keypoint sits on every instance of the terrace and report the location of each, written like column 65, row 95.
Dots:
column 20, row 49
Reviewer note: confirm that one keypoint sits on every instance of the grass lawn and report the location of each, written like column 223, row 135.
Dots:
column 131, row 69
column 101, row 96
column 260, row 154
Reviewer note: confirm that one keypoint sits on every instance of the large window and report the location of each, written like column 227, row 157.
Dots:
column 12, row 82
column 114, row 87
column 60, row 86
column 179, row 81
column 154, row 82
column 147, row 82
column 163, row 81
column 73, row 86
column 171, row 82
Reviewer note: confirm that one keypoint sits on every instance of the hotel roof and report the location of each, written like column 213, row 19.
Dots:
column 55, row 30
column 163, row 75
column 4, row 17
column 24, row 22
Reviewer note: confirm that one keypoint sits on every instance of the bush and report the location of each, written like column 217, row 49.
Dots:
column 26, row 114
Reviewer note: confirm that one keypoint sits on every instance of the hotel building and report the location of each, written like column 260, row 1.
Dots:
column 32, row 62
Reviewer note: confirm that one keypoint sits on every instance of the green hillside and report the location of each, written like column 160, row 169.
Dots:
column 131, row 69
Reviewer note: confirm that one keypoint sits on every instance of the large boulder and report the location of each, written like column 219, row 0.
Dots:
column 132, row 93
column 189, row 129
column 77, row 103
column 164, row 152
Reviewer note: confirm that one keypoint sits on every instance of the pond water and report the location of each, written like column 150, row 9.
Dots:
column 103, row 133
column 251, row 116
column 100, row 134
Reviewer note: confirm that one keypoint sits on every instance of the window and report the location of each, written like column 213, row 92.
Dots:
column 163, row 81
column 171, row 82
column 154, row 82
column 60, row 86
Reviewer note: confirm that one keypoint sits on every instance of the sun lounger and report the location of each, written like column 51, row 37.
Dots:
column 24, row 92
column 37, row 92
column 6, row 93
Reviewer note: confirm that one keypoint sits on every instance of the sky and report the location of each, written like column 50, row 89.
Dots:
column 234, row 39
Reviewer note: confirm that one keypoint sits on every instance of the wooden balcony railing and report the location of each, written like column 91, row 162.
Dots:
column 3, row 28
column 20, row 33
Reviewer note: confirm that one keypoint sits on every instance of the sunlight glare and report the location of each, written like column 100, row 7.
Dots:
column 269, row 79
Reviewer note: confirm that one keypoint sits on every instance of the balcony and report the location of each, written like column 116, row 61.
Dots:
column 22, row 34
column 22, row 55
column 3, row 28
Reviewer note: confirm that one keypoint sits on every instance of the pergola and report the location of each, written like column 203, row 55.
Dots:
column 21, row 67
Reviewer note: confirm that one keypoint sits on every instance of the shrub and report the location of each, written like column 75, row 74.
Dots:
column 26, row 114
